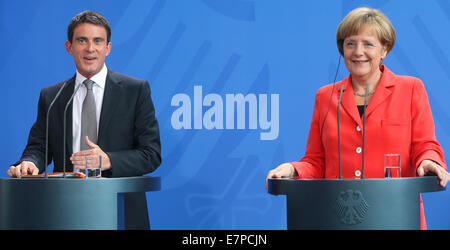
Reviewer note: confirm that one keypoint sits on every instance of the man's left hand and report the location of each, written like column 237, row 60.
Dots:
column 78, row 159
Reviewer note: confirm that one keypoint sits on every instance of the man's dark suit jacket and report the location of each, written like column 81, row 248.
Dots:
column 128, row 129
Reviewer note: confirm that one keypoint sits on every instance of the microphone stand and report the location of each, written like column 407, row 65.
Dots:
column 64, row 129
column 46, row 127
column 339, row 131
column 364, row 129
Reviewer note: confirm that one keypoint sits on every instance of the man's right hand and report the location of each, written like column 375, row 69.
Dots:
column 25, row 167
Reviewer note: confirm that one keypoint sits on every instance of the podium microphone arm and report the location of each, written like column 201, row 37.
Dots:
column 364, row 129
column 339, row 131
column 46, row 126
column 64, row 129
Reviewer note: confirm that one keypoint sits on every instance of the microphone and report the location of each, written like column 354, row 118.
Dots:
column 364, row 128
column 339, row 131
column 46, row 126
column 64, row 129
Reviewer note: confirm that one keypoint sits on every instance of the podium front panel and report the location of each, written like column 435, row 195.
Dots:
column 354, row 204
column 73, row 203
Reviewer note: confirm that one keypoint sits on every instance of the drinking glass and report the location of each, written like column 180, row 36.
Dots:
column 92, row 166
column 392, row 166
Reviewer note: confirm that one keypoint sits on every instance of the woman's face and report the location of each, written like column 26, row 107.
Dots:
column 363, row 53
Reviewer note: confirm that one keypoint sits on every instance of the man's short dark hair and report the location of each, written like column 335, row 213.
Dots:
column 88, row 16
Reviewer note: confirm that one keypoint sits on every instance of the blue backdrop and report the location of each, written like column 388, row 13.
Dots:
column 197, row 55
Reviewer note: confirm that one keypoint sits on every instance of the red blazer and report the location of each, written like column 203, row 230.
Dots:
column 398, row 121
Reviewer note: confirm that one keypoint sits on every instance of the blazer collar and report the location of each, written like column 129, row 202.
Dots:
column 381, row 93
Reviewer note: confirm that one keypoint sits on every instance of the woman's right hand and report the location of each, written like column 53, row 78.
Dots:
column 283, row 170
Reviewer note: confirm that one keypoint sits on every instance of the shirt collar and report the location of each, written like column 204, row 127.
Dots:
column 99, row 78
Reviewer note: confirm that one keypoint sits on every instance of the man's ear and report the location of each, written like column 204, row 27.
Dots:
column 68, row 46
column 108, row 48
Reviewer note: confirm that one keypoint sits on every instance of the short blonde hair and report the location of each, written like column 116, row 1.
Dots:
column 359, row 17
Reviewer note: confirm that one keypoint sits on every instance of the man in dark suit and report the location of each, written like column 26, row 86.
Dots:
column 127, row 132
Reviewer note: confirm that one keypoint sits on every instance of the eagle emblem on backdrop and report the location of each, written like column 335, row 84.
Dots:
column 351, row 207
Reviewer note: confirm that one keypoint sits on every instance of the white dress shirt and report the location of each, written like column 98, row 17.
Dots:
column 99, row 89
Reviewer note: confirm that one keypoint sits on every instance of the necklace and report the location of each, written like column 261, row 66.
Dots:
column 370, row 93
column 362, row 95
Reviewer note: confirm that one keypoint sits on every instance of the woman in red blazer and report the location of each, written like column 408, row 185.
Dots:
column 398, row 114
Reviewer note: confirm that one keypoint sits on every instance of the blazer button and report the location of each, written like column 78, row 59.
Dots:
column 358, row 150
column 358, row 128
column 357, row 173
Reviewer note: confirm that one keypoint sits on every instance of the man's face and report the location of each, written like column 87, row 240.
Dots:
column 89, row 48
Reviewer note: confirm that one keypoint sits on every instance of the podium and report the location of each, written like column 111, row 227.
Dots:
column 92, row 203
column 353, row 204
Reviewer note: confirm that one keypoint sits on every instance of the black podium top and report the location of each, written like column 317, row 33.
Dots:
column 11, row 186
column 277, row 186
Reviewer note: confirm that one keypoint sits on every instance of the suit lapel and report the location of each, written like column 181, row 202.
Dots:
column 110, row 96
column 382, row 92
column 348, row 101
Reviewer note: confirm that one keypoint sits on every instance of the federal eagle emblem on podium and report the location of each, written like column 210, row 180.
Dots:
column 351, row 207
